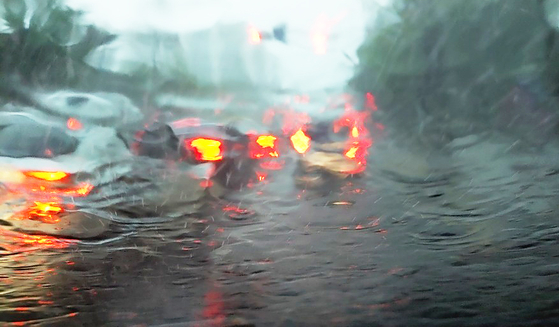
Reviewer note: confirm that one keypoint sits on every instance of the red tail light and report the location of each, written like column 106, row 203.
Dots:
column 47, row 175
column 205, row 149
column 263, row 146
column 301, row 142
column 74, row 124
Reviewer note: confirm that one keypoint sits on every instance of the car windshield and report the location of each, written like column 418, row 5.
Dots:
column 279, row 163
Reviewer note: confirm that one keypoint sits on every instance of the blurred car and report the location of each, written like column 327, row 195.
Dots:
column 46, row 147
column 239, row 155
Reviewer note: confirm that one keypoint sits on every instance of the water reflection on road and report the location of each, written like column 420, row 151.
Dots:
column 465, row 237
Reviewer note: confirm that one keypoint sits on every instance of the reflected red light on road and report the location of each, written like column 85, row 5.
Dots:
column 206, row 149
column 46, row 212
column 254, row 36
column 301, row 142
column 234, row 209
column 74, row 124
column 26, row 242
column 80, row 190
column 41, row 184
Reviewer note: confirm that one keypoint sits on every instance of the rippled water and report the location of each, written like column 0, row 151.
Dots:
column 461, row 237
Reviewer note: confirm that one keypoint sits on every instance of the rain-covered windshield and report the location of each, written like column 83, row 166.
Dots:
column 279, row 163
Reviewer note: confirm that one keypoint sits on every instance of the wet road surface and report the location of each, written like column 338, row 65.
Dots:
column 462, row 237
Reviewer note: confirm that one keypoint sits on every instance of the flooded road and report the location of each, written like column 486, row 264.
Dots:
column 461, row 237
column 439, row 207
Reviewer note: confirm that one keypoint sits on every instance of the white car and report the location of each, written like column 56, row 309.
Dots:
column 65, row 134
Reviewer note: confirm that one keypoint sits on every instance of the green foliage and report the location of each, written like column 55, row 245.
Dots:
column 441, row 49
column 49, row 48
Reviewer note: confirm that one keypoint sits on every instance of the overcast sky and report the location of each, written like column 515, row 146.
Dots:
column 184, row 15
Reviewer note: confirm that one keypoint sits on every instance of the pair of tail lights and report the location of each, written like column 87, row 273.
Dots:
column 259, row 146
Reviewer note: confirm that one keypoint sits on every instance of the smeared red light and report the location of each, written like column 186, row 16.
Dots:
column 135, row 147
column 46, row 175
column 300, row 141
column 359, row 139
column 254, row 36
column 206, row 183
column 186, row 122
column 354, row 120
column 207, row 149
column 272, row 165
column 293, row 121
column 73, row 124
column 261, row 176
column 370, row 101
column 82, row 189
column 351, row 153
column 235, row 210
column 29, row 242
column 264, row 146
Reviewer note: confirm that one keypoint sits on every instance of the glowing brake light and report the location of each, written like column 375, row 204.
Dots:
column 207, row 149
column 73, row 124
column 352, row 152
column 300, row 141
column 47, row 175
column 266, row 141
column 354, row 132
column 264, row 147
